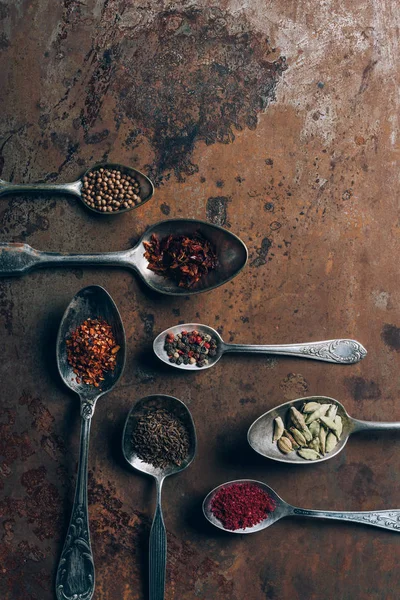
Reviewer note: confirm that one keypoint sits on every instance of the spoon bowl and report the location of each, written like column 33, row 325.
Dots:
column 179, row 410
column 272, row 517
column 92, row 302
column 260, row 433
column 336, row 351
column 230, row 250
column 146, row 187
column 385, row 519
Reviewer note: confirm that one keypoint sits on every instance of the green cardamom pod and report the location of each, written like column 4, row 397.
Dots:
column 279, row 428
column 317, row 414
column 332, row 411
column 308, row 454
column 322, row 440
column 298, row 436
column 331, row 442
column 285, row 445
column 297, row 418
column 309, row 407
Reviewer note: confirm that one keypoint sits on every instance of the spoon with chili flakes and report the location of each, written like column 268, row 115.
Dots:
column 177, row 257
column 222, row 511
column 106, row 189
column 193, row 346
column 90, row 357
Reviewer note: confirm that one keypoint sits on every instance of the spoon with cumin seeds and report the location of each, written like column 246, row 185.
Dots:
column 159, row 439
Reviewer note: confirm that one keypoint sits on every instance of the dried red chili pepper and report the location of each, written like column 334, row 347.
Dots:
column 183, row 258
column 241, row 505
column 92, row 351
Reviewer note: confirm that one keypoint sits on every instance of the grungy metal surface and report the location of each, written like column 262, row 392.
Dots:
column 279, row 121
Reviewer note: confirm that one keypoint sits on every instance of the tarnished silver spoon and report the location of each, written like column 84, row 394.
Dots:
column 386, row 519
column 158, row 537
column 75, row 574
column 75, row 188
column 261, row 432
column 334, row 351
column 18, row 259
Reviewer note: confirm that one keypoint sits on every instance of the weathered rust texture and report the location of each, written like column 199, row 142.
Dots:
column 280, row 122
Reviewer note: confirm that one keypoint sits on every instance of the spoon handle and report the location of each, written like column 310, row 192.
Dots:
column 387, row 519
column 59, row 188
column 360, row 426
column 335, row 351
column 75, row 573
column 17, row 259
column 157, row 551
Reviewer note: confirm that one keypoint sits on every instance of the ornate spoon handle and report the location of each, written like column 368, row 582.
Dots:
column 75, row 573
column 335, row 351
column 60, row 188
column 157, row 551
column 387, row 519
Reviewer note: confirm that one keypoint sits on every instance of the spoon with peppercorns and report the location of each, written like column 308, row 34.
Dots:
column 106, row 189
column 193, row 346
column 90, row 358
column 248, row 506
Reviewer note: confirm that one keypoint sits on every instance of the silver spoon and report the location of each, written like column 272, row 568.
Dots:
column 75, row 188
column 260, row 433
column 387, row 519
column 17, row 259
column 158, row 537
column 334, row 351
column 75, row 573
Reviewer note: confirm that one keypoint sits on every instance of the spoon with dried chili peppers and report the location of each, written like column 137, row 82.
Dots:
column 193, row 346
column 90, row 358
column 106, row 189
column 159, row 439
column 247, row 506
column 174, row 257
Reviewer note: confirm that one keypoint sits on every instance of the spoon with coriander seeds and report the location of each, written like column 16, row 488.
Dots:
column 193, row 346
column 258, row 506
column 308, row 430
column 159, row 439
column 209, row 256
column 90, row 358
column 106, row 189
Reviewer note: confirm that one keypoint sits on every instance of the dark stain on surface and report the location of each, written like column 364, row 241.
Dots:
column 165, row 209
column 262, row 253
column 208, row 102
column 6, row 306
column 220, row 183
column 362, row 389
column 4, row 41
column 148, row 323
column 216, row 210
column 391, row 336
column 4, row 10
column 293, row 385
column 250, row 400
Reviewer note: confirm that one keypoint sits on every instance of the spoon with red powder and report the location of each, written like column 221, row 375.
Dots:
column 247, row 506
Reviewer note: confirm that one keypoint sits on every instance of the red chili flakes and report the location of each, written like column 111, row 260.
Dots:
column 92, row 351
column 241, row 505
column 182, row 258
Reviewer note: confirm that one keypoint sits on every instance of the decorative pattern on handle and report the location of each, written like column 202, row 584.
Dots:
column 75, row 574
column 157, row 557
column 341, row 351
column 87, row 408
column 387, row 519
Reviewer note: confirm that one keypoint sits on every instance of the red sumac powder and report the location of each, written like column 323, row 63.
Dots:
column 241, row 505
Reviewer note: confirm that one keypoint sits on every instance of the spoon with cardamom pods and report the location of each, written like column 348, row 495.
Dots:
column 193, row 346
column 306, row 430
column 159, row 439
column 106, row 189
column 230, row 254
column 274, row 509
column 90, row 358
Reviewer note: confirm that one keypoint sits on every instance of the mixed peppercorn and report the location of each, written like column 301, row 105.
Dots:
column 92, row 351
column 190, row 348
column 185, row 259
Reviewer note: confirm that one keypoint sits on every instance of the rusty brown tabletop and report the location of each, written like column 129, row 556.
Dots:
column 278, row 121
